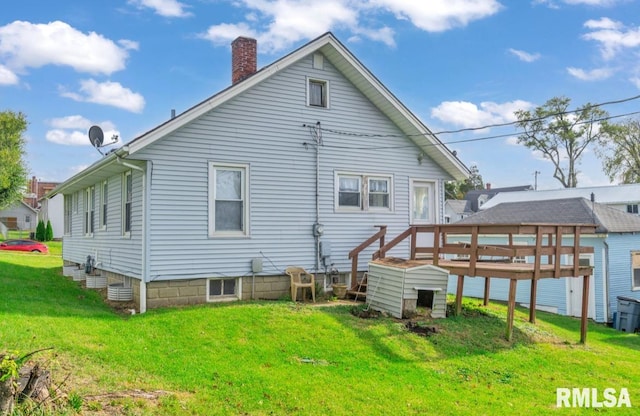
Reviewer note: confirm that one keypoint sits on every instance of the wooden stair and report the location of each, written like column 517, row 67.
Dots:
column 359, row 289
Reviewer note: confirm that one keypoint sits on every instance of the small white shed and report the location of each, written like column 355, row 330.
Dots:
column 398, row 286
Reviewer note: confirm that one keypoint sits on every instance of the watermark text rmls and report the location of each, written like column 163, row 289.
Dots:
column 592, row 397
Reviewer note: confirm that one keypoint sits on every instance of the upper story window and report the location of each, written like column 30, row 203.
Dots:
column 357, row 192
column 127, row 201
column 229, row 210
column 318, row 93
column 632, row 208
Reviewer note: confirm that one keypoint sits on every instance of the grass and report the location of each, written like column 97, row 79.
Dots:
column 263, row 358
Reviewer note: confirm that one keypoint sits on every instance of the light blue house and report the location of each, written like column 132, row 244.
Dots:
column 616, row 256
column 294, row 164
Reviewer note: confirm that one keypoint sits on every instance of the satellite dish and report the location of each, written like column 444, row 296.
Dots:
column 96, row 136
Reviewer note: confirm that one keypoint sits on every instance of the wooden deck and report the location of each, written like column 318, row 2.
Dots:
column 543, row 258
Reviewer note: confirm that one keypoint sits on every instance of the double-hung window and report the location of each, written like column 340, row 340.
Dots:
column 228, row 190
column 104, row 197
column 357, row 192
column 127, row 201
column 632, row 208
column 89, row 210
column 68, row 209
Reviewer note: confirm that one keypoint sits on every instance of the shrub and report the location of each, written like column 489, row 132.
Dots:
column 40, row 231
column 48, row 235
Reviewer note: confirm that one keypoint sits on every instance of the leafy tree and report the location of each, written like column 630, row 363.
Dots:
column 561, row 135
column 48, row 233
column 620, row 154
column 13, row 171
column 458, row 189
column 40, row 231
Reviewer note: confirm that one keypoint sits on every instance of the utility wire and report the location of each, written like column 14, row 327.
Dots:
column 511, row 123
column 475, row 139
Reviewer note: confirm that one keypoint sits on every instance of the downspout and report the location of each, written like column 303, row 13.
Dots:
column 146, row 178
column 318, row 138
column 605, row 277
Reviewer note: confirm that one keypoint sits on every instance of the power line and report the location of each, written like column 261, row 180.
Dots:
column 512, row 123
column 475, row 139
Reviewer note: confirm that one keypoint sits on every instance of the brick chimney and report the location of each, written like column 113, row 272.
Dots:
column 488, row 186
column 243, row 58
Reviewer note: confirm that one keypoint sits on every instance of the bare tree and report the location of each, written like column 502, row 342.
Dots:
column 561, row 135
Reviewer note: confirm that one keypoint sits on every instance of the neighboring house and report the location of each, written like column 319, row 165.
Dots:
column 294, row 164
column 616, row 257
column 37, row 190
column 479, row 197
column 456, row 209
column 52, row 209
column 622, row 197
column 20, row 217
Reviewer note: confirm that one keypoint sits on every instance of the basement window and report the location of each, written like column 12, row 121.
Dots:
column 220, row 290
column 318, row 93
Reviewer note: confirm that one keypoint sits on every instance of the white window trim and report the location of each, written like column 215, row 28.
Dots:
column 226, row 298
column 633, row 286
column 435, row 203
column 68, row 211
column 364, row 192
column 104, row 200
column 327, row 92
column 245, row 197
column 88, row 221
column 124, row 203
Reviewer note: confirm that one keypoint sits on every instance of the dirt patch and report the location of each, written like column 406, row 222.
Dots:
column 365, row 313
column 122, row 402
column 424, row 331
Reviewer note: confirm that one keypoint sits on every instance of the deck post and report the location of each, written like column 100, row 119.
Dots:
column 511, row 308
column 532, row 301
column 487, row 282
column 585, row 310
column 459, row 290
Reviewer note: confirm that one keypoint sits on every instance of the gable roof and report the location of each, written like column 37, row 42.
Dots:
column 345, row 62
column 473, row 195
column 558, row 211
column 459, row 206
column 619, row 194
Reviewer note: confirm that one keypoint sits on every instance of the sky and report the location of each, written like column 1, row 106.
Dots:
column 456, row 64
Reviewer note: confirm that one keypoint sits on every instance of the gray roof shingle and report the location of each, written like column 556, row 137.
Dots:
column 558, row 211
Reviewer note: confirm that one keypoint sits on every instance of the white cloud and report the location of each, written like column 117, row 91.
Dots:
column 7, row 77
column 440, row 15
column 27, row 45
column 70, row 122
column 592, row 75
column 166, row 8
column 635, row 81
column 612, row 37
column 285, row 22
column 468, row 115
column 603, row 3
column 525, row 56
column 73, row 130
column 107, row 93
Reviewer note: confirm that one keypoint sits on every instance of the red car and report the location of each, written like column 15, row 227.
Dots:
column 24, row 245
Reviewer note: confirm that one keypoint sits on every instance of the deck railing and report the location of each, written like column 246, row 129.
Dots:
column 353, row 254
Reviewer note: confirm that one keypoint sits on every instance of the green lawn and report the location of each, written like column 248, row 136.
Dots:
column 264, row 358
